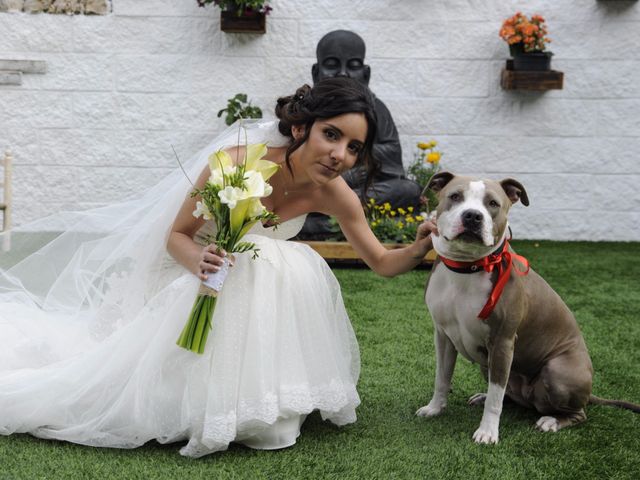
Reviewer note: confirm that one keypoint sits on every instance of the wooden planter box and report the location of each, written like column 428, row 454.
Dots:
column 342, row 252
column 530, row 80
column 254, row 22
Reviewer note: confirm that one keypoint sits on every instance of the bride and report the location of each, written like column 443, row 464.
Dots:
column 89, row 321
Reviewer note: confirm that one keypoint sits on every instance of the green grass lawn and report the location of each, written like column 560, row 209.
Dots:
column 600, row 283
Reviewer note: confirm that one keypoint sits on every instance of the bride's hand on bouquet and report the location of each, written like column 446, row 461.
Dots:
column 210, row 261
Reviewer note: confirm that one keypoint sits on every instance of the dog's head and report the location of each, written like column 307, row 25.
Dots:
column 472, row 214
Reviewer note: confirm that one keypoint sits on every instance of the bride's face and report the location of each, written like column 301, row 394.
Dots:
column 333, row 146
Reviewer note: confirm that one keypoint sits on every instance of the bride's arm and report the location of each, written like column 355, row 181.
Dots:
column 195, row 258
column 388, row 263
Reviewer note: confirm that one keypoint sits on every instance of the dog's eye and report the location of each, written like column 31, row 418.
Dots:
column 494, row 204
column 455, row 196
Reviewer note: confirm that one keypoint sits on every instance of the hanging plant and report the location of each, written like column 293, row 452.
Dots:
column 239, row 107
column 240, row 7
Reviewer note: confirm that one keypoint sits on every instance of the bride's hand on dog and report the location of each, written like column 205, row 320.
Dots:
column 423, row 235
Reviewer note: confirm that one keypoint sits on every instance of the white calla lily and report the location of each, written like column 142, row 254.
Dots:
column 255, row 208
column 245, row 215
column 221, row 165
column 254, row 184
column 254, row 160
column 220, row 160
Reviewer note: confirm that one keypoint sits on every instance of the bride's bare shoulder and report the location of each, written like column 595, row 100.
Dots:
column 338, row 199
column 276, row 154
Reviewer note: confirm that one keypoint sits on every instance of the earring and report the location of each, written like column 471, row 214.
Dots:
column 297, row 131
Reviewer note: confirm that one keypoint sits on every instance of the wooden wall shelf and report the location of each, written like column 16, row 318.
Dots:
column 538, row 81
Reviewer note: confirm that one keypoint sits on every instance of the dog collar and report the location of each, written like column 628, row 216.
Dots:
column 502, row 260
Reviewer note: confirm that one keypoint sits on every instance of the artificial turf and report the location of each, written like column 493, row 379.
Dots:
column 600, row 283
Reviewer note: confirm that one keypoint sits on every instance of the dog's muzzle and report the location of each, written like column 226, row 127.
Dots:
column 472, row 223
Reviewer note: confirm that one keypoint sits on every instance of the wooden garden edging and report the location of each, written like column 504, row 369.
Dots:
column 341, row 252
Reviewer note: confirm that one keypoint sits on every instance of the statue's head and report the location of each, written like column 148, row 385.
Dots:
column 341, row 54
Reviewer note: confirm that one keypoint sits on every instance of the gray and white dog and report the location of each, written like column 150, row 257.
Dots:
column 487, row 305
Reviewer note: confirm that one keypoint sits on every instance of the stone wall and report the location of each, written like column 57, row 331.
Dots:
column 69, row 7
column 121, row 88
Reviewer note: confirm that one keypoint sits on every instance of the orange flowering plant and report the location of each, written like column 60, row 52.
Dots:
column 525, row 34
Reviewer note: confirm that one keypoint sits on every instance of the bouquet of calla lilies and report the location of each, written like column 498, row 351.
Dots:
column 231, row 197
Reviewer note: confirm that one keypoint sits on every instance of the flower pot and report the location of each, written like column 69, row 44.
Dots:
column 529, row 61
column 533, row 62
column 250, row 21
column 516, row 49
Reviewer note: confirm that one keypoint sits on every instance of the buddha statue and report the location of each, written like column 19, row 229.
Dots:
column 341, row 53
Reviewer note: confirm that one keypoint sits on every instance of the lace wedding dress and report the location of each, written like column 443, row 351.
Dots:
column 88, row 325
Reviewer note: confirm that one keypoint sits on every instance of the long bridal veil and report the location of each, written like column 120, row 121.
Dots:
column 75, row 278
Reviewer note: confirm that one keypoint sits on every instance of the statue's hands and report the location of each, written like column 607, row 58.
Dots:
column 210, row 260
column 355, row 177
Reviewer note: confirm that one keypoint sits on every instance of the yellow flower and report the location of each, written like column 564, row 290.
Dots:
column 374, row 223
column 254, row 160
column 424, row 145
column 419, row 218
column 410, row 209
column 433, row 157
column 392, row 213
column 432, row 143
column 372, row 201
column 387, row 206
column 410, row 220
column 400, row 225
column 401, row 211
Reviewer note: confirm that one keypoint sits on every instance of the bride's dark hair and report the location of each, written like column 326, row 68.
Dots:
column 329, row 98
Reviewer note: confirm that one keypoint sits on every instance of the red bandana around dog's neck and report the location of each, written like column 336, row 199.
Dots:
column 503, row 258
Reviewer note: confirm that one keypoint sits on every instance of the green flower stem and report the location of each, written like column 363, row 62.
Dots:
column 184, row 336
column 210, row 305
column 195, row 332
column 194, row 323
column 202, row 324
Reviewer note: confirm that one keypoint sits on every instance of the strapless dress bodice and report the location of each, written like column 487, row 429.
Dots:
column 281, row 231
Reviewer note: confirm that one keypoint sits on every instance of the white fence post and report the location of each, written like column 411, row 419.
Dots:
column 6, row 204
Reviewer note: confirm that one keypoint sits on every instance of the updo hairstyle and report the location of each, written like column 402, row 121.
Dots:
column 328, row 98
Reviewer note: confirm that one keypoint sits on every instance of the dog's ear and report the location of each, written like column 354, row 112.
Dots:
column 515, row 191
column 438, row 181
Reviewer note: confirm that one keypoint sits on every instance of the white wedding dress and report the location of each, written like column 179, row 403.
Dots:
column 88, row 326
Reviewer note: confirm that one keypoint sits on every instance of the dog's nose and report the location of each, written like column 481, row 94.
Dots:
column 471, row 218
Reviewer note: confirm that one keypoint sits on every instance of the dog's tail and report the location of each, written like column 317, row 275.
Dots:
column 615, row 403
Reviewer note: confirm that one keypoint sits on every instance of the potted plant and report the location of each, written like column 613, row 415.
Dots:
column 426, row 163
column 239, row 107
column 241, row 16
column 527, row 39
column 393, row 227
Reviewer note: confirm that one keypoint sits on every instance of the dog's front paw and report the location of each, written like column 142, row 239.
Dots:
column 486, row 435
column 430, row 410
column 548, row 424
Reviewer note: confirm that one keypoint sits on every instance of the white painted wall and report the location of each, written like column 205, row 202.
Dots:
column 121, row 88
